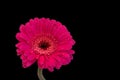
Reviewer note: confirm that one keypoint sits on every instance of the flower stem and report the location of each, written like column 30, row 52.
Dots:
column 40, row 74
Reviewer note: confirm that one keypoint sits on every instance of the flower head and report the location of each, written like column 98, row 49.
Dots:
column 46, row 41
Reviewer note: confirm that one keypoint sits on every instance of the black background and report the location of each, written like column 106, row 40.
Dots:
column 85, row 64
column 90, row 24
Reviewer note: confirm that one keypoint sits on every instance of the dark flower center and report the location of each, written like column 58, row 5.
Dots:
column 44, row 45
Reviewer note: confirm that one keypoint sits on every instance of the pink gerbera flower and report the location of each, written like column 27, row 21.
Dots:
column 46, row 41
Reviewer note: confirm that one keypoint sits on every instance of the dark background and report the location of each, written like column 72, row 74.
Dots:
column 90, row 24
column 85, row 64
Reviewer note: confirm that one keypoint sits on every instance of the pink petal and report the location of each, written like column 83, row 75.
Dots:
column 50, row 63
column 32, row 26
column 31, row 57
column 71, row 52
column 23, row 58
column 23, row 47
column 22, row 37
column 58, row 62
column 36, row 25
column 41, row 61
column 64, row 57
column 29, row 30
column 27, row 61
column 26, row 53
column 27, row 64
column 50, row 69
column 22, row 28
column 64, row 47
column 19, row 52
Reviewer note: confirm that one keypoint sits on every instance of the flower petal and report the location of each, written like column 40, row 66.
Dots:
column 50, row 69
column 22, row 37
column 41, row 61
column 71, row 52
column 31, row 57
column 19, row 52
column 27, row 64
column 50, row 63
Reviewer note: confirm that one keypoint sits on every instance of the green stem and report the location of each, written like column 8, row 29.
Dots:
column 40, row 74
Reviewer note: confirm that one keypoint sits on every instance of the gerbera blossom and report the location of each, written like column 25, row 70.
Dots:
column 46, row 41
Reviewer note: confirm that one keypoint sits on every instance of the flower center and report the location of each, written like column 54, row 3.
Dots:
column 44, row 45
